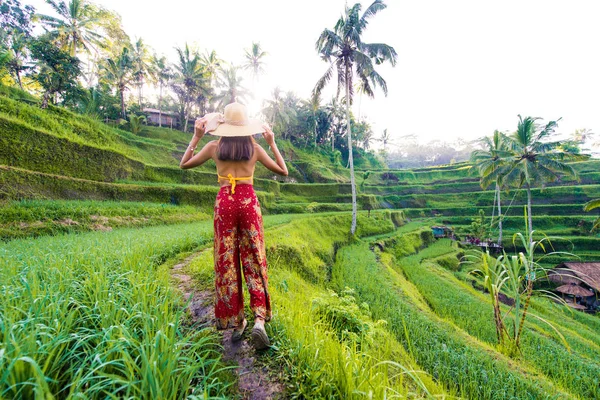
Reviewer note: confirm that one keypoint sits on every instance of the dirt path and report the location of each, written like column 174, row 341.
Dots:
column 255, row 381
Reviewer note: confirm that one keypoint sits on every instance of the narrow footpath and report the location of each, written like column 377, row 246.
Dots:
column 255, row 381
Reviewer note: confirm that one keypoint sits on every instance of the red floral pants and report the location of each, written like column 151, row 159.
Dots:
column 239, row 237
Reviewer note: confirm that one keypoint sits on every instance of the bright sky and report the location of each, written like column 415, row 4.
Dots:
column 464, row 67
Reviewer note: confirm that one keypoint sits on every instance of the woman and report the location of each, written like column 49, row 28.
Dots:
column 237, row 216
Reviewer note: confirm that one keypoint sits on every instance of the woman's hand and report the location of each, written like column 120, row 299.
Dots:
column 268, row 135
column 199, row 126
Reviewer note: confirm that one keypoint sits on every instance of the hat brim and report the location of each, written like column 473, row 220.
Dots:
column 253, row 127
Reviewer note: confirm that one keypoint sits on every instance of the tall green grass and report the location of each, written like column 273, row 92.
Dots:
column 93, row 315
column 578, row 371
column 458, row 362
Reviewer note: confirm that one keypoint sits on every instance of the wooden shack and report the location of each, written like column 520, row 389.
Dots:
column 579, row 283
column 169, row 119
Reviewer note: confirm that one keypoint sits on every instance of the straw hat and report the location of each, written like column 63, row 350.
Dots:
column 234, row 122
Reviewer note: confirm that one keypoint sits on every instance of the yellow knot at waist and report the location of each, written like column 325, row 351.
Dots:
column 232, row 180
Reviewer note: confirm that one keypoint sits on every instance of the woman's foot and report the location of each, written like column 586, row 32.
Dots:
column 239, row 331
column 259, row 334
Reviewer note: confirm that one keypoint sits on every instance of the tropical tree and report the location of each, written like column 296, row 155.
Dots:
column 348, row 55
column 119, row 72
column 136, row 122
column 366, row 134
column 385, row 138
column 278, row 113
column 313, row 105
column 490, row 162
column 75, row 27
column 591, row 205
column 140, row 58
column 56, row 71
column 230, row 84
column 16, row 18
column 17, row 53
column 162, row 76
column 535, row 160
column 212, row 64
column 190, row 83
column 254, row 60
column 337, row 120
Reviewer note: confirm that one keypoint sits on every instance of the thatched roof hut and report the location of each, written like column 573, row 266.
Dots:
column 574, row 290
column 577, row 273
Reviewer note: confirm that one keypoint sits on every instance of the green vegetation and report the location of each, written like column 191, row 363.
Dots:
column 93, row 314
column 87, row 306
column 26, row 218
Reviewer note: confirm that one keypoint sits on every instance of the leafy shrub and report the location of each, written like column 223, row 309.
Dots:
column 350, row 321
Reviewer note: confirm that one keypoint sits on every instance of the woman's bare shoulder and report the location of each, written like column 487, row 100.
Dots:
column 258, row 147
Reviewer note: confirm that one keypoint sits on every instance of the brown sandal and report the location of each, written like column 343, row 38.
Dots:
column 238, row 333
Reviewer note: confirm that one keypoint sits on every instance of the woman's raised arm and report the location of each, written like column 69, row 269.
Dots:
column 278, row 166
column 189, row 160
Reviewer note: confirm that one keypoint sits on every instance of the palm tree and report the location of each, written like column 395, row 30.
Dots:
column 119, row 72
column 191, row 81
column 490, row 163
column 16, row 55
column 278, row 111
column 230, row 83
column 313, row 105
column 142, row 66
column 385, row 139
column 535, row 160
column 163, row 75
column 76, row 25
column 591, row 205
column 348, row 55
column 367, row 138
column 337, row 120
column 254, row 61
column 211, row 63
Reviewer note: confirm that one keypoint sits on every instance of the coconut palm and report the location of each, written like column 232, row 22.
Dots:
column 140, row 58
column 254, row 61
column 591, row 205
column 535, row 160
column 191, row 83
column 278, row 111
column 348, row 55
column 16, row 55
column 490, row 163
column 212, row 64
column 337, row 120
column 385, row 138
column 313, row 105
column 75, row 26
column 119, row 73
column 230, row 83
column 162, row 76
column 367, row 138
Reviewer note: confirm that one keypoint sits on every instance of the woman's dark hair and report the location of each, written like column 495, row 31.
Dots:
column 236, row 148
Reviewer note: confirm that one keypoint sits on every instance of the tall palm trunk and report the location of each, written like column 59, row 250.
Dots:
column 160, row 105
column 499, row 215
column 45, row 100
column 18, row 74
column 122, row 96
column 530, row 220
column 350, row 158
column 315, row 128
